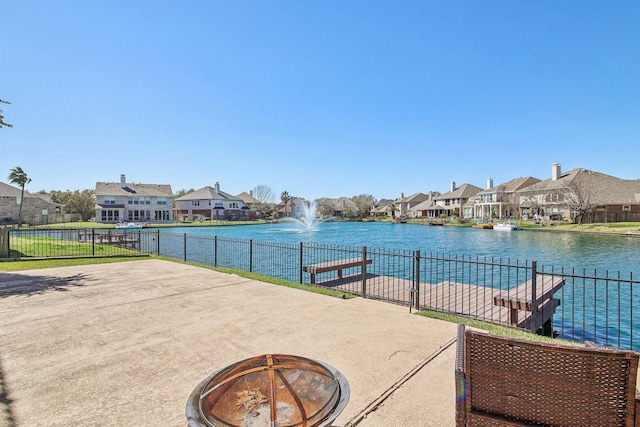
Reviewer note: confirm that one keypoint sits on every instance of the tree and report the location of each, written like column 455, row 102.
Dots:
column 284, row 197
column 324, row 206
column 19, row 177
column 391, row 210
column 365, row 203
column 77, row 202
column 580, row 196
column 263, row 194
column 2, row 122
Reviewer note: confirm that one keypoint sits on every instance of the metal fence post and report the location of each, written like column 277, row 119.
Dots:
column 364, row 272
column 93, row 241
column 215, row 251
column 534, row 297
column 158, row 241
column 416, row 283
column 184, row 240
column 250, row 255
column 300, row 262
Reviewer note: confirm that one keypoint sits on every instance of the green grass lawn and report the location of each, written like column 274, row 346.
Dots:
column 50, row 247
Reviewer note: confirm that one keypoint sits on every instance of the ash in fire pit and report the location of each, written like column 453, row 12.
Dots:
column 270, row 391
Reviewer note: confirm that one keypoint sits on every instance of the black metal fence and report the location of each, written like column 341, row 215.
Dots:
column 575, row 305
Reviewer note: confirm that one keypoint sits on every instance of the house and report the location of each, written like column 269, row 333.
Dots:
column 293, row 207
column 583, row 195
column 210, row 203
column 380, row 207
column 501, row 201
column 340, row 207
column 249, row 200
column 422, row 209
column 404, row 205
column 451, row 203
column 130, row 202
column 36, row 208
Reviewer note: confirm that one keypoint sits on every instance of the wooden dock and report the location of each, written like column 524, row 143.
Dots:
column 512, row 307
column 123, row 240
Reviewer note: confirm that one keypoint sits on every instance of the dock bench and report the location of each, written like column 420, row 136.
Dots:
column 521, row 299
column 335, row 265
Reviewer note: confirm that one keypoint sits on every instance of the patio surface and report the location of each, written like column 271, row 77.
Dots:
column 125, row 344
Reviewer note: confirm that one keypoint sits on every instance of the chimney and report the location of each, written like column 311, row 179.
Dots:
column 217, row 187
column 489, row 183
column 555, row 171
column 453, row 186
column 123, row 181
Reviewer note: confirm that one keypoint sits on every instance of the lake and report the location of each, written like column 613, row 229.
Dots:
column 581, row 251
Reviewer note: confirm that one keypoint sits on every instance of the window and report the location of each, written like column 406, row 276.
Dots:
column 109, row 200
column 161, row 201
column 626, row 207
column 195, row 203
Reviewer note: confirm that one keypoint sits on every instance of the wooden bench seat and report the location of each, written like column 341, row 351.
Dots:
column 335, row 265
column 521, row 299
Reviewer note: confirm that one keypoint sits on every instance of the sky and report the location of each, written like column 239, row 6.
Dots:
column 324, row 98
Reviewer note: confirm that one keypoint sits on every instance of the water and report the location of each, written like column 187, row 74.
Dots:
column 584, row 252
column 308, row 220
column 595, row 310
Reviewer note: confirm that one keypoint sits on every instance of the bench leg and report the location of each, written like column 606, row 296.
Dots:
column 340, row 274
column 313, row 278
column 513, row 316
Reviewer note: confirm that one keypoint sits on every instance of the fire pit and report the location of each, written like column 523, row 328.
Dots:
column 272, row 390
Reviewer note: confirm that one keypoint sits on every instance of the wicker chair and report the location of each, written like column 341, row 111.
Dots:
column 503, row 381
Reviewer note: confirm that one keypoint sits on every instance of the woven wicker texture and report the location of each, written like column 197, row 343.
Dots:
column 545, row 384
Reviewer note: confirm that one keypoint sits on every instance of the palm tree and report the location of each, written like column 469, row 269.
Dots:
column 19, row 177
column 391, row 210
column 284, row 197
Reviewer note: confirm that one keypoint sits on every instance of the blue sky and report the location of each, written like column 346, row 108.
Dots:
column 318, row 98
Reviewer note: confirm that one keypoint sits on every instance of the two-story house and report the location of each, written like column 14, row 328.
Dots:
column 131, row 202
column 501, row 201
column 451, row 203
column 210, row 203
column 582, row 194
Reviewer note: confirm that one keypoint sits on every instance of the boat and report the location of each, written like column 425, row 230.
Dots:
column 483, row 226
column 506, row 226
column 128, row 226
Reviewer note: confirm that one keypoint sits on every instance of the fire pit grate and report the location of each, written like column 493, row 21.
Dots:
column 272, row 390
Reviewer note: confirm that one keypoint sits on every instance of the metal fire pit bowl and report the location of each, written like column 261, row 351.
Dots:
column 272, row 390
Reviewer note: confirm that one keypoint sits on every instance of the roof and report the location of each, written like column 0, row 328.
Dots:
column 512, row 186
column 115, row 189
column 414, row 198
column 423, row 206
column 9, row 190
column 247, row 198
column 208, row 193
column 463, row 192
column 609, row 189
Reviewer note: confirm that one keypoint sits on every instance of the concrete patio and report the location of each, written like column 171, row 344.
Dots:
column 125, row 344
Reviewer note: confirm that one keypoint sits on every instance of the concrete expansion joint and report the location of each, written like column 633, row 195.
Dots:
column 384, row 396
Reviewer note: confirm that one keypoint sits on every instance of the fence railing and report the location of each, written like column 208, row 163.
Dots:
column 575, row 305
